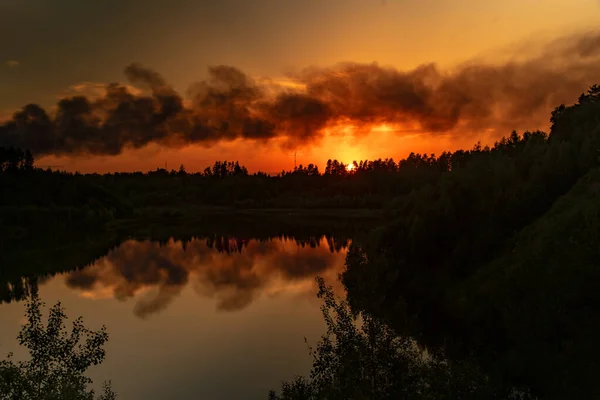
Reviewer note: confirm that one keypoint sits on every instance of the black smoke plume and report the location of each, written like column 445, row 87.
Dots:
column 474, row 97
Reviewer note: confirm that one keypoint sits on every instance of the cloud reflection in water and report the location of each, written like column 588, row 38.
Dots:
column 232, row 271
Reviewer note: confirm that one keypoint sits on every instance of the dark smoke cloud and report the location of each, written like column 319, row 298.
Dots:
column 229, row 104
column 232, row 274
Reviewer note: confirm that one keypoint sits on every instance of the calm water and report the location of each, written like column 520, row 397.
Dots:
column 214, row 319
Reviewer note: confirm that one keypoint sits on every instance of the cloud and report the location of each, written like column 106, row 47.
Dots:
column 93, row 90
column 5, row 115
column 12, row 63
column 475, row 97
column 231, row 271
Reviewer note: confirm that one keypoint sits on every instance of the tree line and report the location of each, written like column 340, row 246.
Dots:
column 13, row 160
column 368, row 184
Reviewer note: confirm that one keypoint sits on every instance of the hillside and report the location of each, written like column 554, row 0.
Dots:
column 539, row 304
column 497, row 261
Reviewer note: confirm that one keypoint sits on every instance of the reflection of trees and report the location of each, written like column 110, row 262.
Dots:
column 49, row 249
column 15, row 290
column 20, row 289
column 232, row 270
column 29, row 261
column 226, row 244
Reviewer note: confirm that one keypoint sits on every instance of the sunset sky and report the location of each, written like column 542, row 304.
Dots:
column 55, row 49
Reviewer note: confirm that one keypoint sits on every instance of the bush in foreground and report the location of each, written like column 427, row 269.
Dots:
column 58, row 359
column 367, row 360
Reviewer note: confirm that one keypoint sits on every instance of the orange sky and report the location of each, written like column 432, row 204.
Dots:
column 92, row 43
column 263, row 157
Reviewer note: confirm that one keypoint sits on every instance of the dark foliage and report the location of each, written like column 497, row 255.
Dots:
column 58, row 358
column 364, row 359
column 494, row 259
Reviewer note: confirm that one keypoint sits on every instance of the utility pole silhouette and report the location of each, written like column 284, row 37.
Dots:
column 294, row 161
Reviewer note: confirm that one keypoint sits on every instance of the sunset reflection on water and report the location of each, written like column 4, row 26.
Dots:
column 217, row 318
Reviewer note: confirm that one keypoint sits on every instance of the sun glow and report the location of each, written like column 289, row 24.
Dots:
column 350, row 167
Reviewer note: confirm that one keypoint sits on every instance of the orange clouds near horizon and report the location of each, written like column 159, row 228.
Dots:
column 349, row 111
column 265, row 157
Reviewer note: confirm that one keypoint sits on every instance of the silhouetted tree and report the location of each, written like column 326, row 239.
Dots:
column 58, row 359
column 368, row 360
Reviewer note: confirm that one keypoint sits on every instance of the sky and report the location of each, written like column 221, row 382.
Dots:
column 415, row 77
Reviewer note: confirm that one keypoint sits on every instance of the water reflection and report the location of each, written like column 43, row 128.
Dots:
column 232, row 271
column 214, row 309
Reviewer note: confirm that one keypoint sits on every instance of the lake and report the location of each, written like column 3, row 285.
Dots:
column 213, row 317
